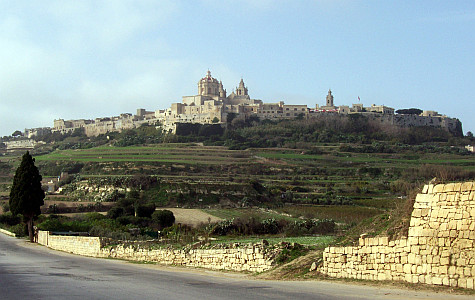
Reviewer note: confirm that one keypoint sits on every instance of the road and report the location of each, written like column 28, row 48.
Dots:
column 31, row 271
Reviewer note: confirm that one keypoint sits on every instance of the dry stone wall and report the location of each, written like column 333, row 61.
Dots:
column 253, row 258
column 439, row 248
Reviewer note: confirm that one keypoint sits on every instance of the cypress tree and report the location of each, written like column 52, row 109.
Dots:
column 26, row 194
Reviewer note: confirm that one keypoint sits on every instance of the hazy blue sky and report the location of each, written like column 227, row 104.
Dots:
column 87, row 59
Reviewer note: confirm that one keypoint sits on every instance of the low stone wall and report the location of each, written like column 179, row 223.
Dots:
column 253, row 258
column 7, row 232
column 82, row 245
column 439, row 248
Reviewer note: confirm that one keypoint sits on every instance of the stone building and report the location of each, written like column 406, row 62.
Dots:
column 212, row 104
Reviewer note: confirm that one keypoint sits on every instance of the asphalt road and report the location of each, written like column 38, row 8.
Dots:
column 30, row 271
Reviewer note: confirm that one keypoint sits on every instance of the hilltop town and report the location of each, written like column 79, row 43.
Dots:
column 212, row 105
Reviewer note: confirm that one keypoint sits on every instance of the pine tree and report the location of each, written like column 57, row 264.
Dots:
column 26, row 195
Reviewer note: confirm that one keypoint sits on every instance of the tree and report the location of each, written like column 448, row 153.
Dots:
column 163, row 218
column 409, row 111
column 16, row 133
column 26, row 194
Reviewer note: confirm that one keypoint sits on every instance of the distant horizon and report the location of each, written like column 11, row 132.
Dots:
column 78, row 59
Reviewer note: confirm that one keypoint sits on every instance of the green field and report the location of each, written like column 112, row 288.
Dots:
column 346, row 187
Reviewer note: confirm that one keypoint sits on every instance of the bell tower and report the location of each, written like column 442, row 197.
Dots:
column 242, row 89
column 329, row 98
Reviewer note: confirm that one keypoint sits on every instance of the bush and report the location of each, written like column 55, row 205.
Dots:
column 116, row 212
column 146, row 210
column 311, row 227
column 136, row 221
column 10, row 219
column 163, row 218
column 20, row 230
column 53, row 224
column 5, row 207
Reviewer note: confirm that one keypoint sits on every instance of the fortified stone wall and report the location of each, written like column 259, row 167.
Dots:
column 253, row 258
column 439, row 248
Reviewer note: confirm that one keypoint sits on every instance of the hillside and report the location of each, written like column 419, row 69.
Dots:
column 346, row 172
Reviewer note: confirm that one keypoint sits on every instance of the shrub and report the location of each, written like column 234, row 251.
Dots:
column 10, row 219
column 51, row 225
column 146, row 210
column 311, row 227
column 20, row 230
column 223, row 227
column 163, row 218
column 116, row 212
column 290, row 253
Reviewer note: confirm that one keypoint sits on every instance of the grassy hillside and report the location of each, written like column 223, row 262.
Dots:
column 346, row 169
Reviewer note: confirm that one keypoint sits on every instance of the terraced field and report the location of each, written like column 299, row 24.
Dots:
column 169, row 153
column 331, row 180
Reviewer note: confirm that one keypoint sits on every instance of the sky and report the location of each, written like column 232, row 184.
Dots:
column 74, row 59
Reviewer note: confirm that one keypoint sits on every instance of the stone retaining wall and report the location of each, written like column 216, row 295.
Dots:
column 439, row 248
column 253, row 258
column 7, row 232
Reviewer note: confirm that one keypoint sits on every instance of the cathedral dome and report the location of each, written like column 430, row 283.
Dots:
column 209, row 86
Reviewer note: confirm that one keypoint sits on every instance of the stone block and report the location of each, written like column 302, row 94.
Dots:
column 425, row 212
column 462, row 282
column 457, row 187
column 439, row 188
column 361, row 241
column 449, row 187
column 466, row 186
column 467, row 271
column 470, row 284
column 415, row 279
column 431, row 189
column 443, row 270
column 399, row 268
column 416, row 213
column 436, row 280
column 425, row 189
column 444, row 261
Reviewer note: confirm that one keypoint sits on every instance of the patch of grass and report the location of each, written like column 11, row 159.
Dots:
column 235, row 213
column 340, row 213
column 291, row 253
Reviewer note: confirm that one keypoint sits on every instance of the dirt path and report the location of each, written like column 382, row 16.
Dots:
column 192, row 217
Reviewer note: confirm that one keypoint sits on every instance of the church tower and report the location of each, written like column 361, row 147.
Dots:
column 242, row 89
column 222, row 91
column 329, row 98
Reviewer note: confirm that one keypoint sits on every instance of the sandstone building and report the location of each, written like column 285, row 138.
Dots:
column 213, row 105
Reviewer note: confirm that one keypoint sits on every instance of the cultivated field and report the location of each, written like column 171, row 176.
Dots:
column 344, row 186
